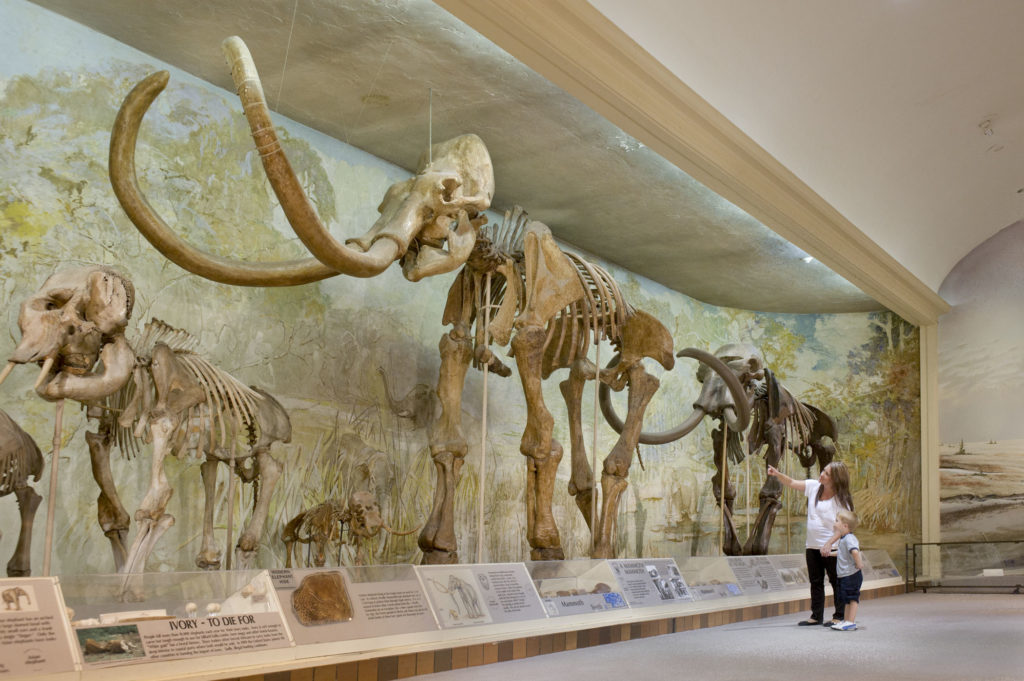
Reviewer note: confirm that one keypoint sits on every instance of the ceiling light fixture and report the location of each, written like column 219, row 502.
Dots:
column 808, row 259
column 986, row 127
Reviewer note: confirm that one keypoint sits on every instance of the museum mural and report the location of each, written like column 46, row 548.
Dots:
column 981, row 394
column 335, row 381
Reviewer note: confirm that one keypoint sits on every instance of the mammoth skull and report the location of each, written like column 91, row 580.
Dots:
column 747, row 364
column 429, row 222
column 74, row 327
column 364, row 515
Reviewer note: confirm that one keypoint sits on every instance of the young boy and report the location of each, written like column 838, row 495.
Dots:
column 848, row 567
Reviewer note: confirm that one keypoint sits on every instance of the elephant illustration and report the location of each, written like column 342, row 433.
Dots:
column 418, row 406
column 12, row 598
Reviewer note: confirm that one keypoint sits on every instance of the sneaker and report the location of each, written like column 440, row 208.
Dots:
column 845, row 626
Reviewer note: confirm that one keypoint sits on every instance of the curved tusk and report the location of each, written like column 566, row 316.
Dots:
column 6, row 372
column 123, row 139
column 664, row 437
column 296, row 205
column 401, row 534
column 44, row 372
column 742, row 413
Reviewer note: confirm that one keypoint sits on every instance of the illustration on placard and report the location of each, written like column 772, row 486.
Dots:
column 463, row 604
column 662, row 585
column 794, row 575
column 322, row 598
column 19, row 599
column 108, row 644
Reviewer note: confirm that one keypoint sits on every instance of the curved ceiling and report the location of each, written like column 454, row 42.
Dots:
column 906, row 115
column 364, row 72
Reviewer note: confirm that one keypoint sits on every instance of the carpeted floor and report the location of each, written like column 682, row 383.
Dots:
column 926, row 636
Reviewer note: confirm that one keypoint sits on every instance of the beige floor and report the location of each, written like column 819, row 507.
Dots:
column 933, row 637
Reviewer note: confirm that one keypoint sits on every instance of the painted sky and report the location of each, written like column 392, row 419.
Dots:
column 981, row 343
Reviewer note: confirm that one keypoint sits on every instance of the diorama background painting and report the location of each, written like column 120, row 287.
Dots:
column 342, row 354
column 981, row 392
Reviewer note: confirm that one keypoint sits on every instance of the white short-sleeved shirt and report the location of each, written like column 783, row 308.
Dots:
column 821, row 516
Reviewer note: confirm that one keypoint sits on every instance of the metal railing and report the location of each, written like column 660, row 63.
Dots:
column 966, row 566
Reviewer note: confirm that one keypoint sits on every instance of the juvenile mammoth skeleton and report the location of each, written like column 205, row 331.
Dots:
column 516, row 288
column 158, row 390
column 322, row 525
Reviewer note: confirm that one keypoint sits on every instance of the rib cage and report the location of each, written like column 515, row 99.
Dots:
column 598, row 315
column 799, row 425
column 229, row 405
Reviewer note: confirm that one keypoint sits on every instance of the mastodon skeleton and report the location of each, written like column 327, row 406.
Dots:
column 159, row 390
column 185, row 405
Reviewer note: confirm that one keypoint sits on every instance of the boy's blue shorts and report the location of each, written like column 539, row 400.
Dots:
column 849, row 587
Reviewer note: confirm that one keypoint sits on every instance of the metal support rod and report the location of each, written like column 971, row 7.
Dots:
column 593, row 453
column 748, row 457
column 785, row 500
column 51, row 502
column 482, row 474
column 231, row 511
column 721, row 498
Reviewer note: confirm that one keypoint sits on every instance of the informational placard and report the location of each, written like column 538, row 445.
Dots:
column 710, row 577
column 173, row 638
column 338, row 604
column 792, row 568
column 650, row 581
column 576, row 587
column 756, row 574
column 245, row 618
column 879, row 565
column 34, row 630
column 468, row 595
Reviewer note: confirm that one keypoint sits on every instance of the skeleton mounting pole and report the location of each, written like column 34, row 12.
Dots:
column 482, row 479
column 51, row 503
column 593, row 451
column 231, row 510
column 746, row 508
column 721, row 499
column 785, row 500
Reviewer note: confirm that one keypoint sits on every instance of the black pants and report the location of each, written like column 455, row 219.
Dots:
column 817, row 567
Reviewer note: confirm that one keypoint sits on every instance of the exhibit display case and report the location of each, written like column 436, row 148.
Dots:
column 321, row 419
column 224, row 622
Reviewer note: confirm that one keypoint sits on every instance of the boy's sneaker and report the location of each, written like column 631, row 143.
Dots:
column 844, row 626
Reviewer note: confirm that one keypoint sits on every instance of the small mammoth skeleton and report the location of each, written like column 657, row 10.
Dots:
column 322, row 525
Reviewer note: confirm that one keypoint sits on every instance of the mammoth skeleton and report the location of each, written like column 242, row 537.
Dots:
column 778, row 421
column 322, row 525
column 516, row 288
column 159, row 391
